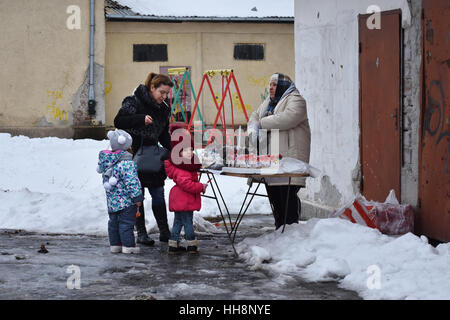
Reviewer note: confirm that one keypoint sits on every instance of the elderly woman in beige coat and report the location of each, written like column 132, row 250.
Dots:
column 283, row 114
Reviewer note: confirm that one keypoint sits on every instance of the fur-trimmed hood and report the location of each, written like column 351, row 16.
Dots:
column 144, row 96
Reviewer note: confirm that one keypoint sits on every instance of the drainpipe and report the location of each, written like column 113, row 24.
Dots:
column 92, row 102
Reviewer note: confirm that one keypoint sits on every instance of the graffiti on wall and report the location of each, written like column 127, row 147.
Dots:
column 436, row 120
column 265, row 94
column 258, row 82
column 236, row 102
column 262, row 82
column 108, row 87
column 54, row 110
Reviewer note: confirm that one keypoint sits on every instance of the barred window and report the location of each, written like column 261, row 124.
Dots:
column 149, row 52
column 248, row 51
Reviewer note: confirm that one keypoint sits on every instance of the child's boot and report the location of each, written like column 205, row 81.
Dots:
column 192, row 246
column 174, row 247
column 131, row 250
column 115, row 249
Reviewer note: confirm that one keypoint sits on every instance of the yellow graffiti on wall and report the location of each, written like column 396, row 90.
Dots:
column 108, row 87
column 259, row 82
column 52, row 109
column 262, row 82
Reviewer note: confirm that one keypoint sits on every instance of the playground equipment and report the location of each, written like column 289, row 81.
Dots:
column 227, row 78
column 178, row 77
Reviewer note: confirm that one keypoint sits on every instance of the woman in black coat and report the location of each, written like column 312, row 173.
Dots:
column 145, row 115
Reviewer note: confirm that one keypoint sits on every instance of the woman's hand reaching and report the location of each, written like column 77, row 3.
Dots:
column 148, row 120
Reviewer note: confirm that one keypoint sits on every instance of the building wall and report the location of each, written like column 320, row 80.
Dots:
column 412, row 56
column 45, row 66
column 326, row 55
column 202, row 46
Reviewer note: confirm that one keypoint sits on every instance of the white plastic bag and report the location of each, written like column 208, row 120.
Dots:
column 292, row 165
column 391, row 198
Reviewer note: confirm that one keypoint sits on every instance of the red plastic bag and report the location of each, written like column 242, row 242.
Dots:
column 393, row 218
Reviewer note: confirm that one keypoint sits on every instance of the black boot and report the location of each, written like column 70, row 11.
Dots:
column 174, row 247
column 145, row 240
column 160, row 214
column 192, row 246
column 142, row 236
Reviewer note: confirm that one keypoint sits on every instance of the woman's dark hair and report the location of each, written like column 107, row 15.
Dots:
column 157, row 80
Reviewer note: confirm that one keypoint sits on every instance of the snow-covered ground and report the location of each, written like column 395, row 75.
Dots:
column 51, row 185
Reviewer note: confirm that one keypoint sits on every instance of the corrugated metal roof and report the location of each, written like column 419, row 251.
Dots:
column 115, row 11
column 114, row 8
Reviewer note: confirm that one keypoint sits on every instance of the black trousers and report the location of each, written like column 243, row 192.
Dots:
column 277, row 197
column 159, row 211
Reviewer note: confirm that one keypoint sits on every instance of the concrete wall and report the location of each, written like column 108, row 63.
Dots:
column 412, row 57
column 326, row 68
column 45, row 67
column 201, row 46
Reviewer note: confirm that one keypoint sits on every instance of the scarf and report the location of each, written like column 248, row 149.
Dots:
column 284, row 87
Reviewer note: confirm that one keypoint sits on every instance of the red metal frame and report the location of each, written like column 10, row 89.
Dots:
column 220, row 108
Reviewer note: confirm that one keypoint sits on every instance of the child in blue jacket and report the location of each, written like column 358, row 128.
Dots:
column 123, row 191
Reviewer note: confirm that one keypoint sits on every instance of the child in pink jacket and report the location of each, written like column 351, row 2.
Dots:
column 184, row 197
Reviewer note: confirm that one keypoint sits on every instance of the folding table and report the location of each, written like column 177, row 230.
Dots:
column 255, row 178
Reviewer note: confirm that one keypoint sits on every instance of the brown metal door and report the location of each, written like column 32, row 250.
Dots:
column 434, row 150
column 380, row 108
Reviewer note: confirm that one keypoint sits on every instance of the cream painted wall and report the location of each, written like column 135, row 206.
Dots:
column 201, row 46
column 122, row 75
column 43, row 63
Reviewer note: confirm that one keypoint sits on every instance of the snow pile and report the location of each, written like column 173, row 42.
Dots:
column 361, row 259
column 207, row 8
column 51, row 185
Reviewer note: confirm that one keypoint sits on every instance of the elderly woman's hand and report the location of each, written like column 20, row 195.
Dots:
column 253, row 128
column 148, row 120
column 253, row 133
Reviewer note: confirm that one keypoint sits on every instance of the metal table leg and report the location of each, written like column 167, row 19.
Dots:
column 242, row 213
column 214, row 186
column 287, row 202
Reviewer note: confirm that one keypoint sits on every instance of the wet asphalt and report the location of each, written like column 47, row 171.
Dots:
column 80, row 267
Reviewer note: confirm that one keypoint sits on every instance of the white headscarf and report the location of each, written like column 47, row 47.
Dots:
column 274, row 77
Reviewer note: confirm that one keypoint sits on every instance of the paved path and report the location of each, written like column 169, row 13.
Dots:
column 212, row 274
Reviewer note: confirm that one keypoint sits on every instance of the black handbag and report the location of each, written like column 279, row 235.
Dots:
column 150, row 159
